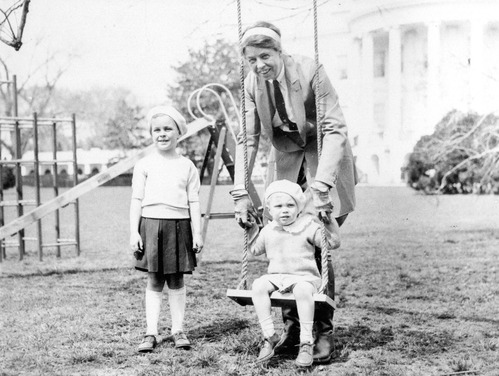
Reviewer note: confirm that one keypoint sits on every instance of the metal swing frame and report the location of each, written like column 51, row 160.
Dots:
column 242, row 295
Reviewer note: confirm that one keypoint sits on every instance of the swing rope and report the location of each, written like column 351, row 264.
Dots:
column 324, row 252
column 243, row 284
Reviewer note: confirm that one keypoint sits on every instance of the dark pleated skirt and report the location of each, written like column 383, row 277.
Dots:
column 167, row 246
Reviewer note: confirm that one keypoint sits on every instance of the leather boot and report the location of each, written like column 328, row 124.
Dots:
column 323, row 322
column 290, row 337
column 324, row 341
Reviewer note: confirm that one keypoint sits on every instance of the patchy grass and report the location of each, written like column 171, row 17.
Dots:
column 417, row 290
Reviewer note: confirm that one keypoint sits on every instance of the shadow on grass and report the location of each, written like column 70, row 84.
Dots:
column 439, row 316
column 218, row 329
column 358, row 337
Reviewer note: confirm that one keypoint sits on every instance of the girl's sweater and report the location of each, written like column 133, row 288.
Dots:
column 290, row 249
column 165, row 186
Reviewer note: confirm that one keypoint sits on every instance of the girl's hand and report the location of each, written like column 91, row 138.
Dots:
column 198, row 243
column 136, row 242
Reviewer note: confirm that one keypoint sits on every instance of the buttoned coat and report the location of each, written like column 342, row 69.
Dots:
column 335, row 167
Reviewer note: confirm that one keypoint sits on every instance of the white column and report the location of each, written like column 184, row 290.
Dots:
column 368, row 81
column 367, row 112
column 394, row 102
column 476, row 65
column 433, row 89
column 355, row 80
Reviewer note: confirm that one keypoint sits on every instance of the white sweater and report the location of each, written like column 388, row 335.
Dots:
column 290, row 249
column 165, row 186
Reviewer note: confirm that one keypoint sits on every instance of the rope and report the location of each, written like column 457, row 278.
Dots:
column 243, row 284
column 324, row 271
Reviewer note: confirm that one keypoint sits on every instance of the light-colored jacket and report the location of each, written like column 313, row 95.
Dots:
column 336, row 165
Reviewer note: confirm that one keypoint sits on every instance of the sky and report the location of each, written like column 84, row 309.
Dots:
column 134, row 43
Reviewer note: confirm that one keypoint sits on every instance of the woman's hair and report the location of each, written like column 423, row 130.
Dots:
column 262, row 41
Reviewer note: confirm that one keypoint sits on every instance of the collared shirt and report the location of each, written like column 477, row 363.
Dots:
column 276, row 120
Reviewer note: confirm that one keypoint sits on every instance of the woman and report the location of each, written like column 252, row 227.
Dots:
column 281, row 103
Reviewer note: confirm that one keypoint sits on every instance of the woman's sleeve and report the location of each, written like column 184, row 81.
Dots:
column 253, row 129
column 334, row 129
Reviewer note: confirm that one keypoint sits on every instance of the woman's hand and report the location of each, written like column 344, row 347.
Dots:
column 322, row 201
column 243, row 208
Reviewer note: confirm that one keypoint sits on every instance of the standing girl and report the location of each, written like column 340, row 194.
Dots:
column 165, row 223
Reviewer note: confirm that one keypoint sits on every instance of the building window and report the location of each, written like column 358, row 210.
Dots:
column 379, row 63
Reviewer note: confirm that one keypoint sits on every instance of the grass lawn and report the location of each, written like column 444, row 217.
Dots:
column 417, row 291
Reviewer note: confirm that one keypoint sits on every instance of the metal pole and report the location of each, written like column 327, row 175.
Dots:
column 56, row 187
column 36, row 166
column 2, row 221
column 75, row 183
column 19, row 178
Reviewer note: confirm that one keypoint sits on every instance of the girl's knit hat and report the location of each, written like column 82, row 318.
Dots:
column 171, row 112
column 292, row 189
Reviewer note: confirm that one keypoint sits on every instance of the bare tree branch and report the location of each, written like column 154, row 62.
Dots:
column 467, row 160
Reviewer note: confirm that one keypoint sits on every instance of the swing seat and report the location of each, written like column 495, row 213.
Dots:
column 277, row 299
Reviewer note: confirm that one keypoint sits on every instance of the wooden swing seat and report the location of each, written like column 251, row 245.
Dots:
column 277, row 299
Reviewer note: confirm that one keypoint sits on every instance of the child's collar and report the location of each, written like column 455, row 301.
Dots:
column 296, row 227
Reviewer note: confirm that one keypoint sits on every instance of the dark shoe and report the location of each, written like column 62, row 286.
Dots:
column 324, row 348
column 305, row 356
column 181, row 341
column 267, row 350
column 148, row 344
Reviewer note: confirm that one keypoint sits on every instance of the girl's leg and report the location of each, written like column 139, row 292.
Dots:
column 154, row 292
column 303, row 292
column 177, row 298
column 261, row 290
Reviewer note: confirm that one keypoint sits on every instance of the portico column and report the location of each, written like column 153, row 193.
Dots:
column 368, row 81
column 367, row 109
column 433, row 89
column 394, row 102
column 355, row 79
column 476, row 65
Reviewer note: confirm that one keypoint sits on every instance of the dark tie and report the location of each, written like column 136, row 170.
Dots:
column 281, row 107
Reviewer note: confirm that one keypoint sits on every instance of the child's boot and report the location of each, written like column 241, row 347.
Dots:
column 267, row 350
column 305, row 357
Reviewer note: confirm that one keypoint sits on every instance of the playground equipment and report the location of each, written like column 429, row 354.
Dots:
column 16, row 124
column 225, row 143
column 242, row 295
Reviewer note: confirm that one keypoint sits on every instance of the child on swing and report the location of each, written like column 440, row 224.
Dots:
column 165, row 223
column 289, row 242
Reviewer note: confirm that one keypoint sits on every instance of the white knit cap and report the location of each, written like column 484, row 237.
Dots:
column 171, row 112
column 292, row 189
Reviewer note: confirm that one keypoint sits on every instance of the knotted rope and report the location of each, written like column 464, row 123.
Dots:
column 324, row 253
column 243, row 284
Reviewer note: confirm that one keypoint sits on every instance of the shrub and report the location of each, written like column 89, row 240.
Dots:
column 461, row 156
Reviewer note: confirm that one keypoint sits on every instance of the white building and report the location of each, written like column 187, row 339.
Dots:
column 90, row 162
column 400, row 65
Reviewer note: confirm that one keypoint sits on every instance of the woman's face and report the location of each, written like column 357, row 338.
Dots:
column 266, row 62
column 282, row 208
